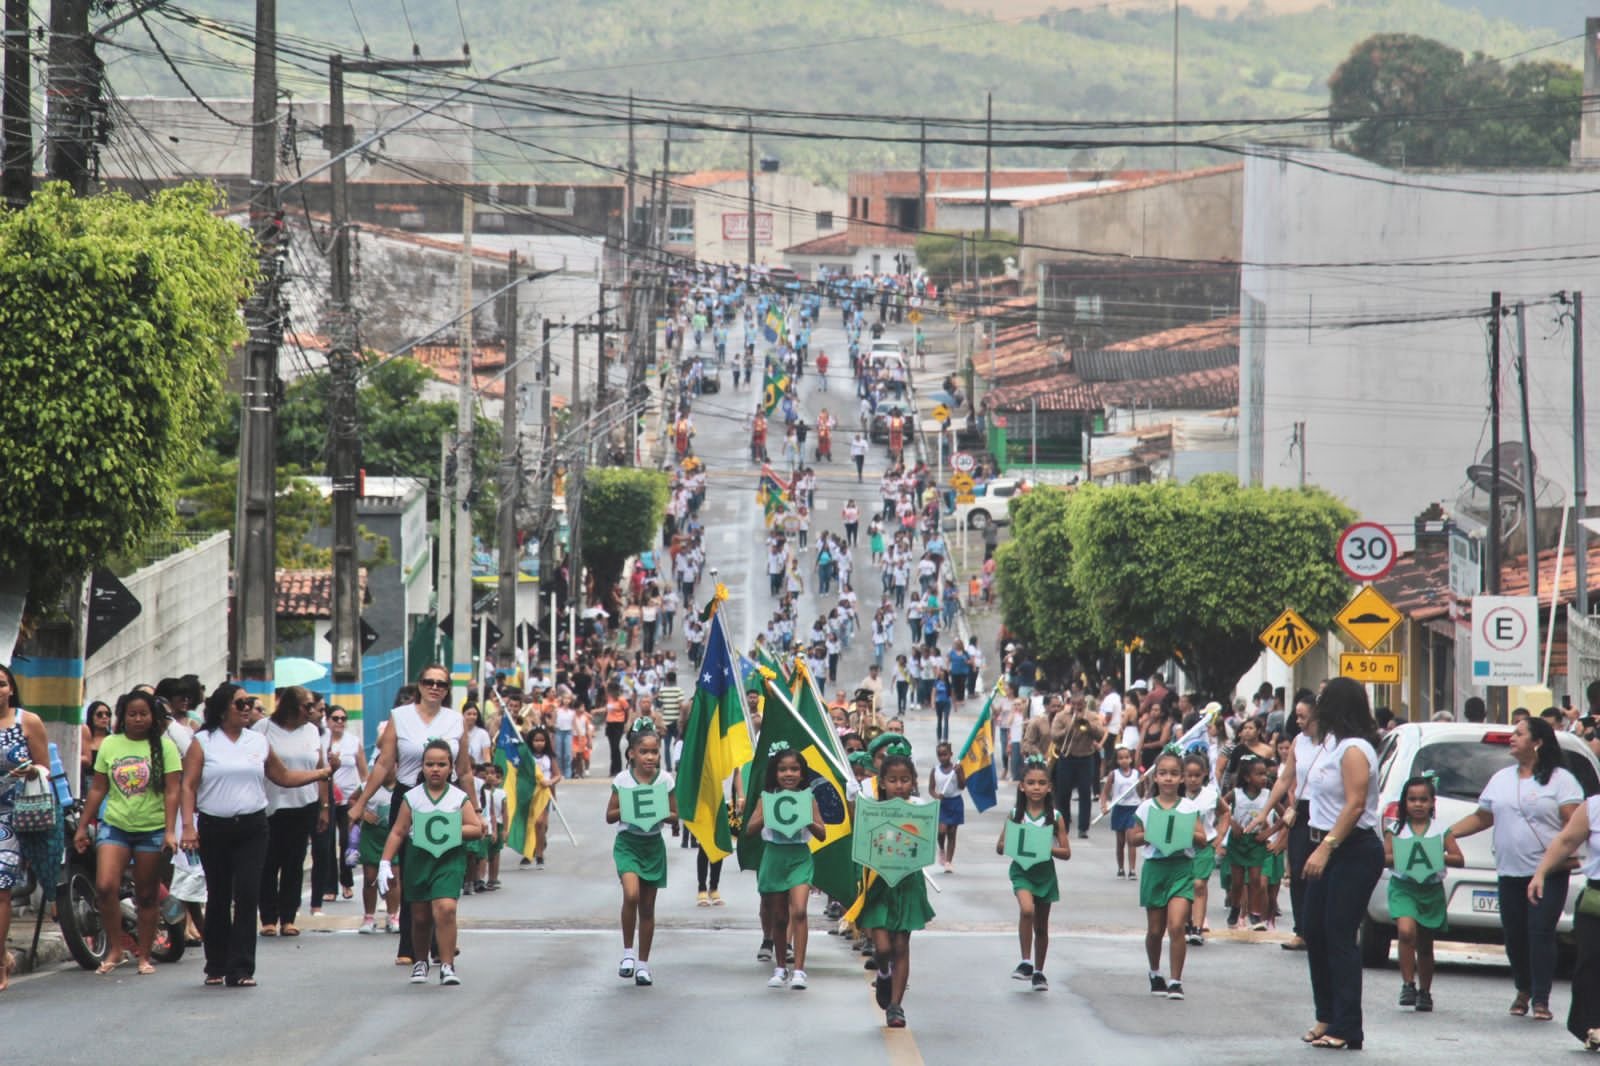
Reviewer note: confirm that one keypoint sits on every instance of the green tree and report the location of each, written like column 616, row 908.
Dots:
column 1051, row 613
column 621, row 516
column 940, row 254
column 116, row 319
column 1418, row 102
column 208, row 492
column 1197, row 571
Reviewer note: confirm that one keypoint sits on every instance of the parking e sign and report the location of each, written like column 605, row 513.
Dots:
column 1367, row 551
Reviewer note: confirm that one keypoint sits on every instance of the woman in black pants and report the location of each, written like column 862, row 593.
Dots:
column 1345, row 862
column 293, row 814
column 1583, row 1018
column 225, row 775
column 1528, row 804
column 1293, row 832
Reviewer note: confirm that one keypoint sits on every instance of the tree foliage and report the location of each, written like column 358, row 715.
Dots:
column 1419, row 102
column 209, row 491
column 621, row 515
column 940, row 254
column 116, row 319
column 1191, row 571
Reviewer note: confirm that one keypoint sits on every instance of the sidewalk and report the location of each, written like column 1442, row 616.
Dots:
column 52, row 948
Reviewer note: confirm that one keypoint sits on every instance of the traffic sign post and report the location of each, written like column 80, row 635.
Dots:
column 963, row 462
column 1505, row 640
column 941, row 413
column 1367, row 551
column 1289, row 637
column 1368, row 618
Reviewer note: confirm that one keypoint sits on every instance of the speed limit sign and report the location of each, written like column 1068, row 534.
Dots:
column 1367, row 551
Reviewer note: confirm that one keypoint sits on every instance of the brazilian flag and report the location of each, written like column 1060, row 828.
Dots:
column 804, row 726
column 777, row 383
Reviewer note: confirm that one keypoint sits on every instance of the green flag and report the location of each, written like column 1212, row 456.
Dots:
column 803, row 724
column 716, row 742
column 777, row 383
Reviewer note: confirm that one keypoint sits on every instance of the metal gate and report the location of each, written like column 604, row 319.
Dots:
column 1583, row 653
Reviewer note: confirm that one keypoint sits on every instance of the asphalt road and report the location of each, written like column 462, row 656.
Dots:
column 539, row 957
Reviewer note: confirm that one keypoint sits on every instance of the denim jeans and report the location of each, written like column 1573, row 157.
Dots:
column 564, row 751
column 1335, row 905
column 1531, row 932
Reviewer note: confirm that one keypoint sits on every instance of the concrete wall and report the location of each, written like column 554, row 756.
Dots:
column 1395, row 407
column 792, row 203
column 1193, row 216
column 182, row 629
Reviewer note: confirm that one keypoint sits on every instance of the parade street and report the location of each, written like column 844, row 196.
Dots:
column 539, row 957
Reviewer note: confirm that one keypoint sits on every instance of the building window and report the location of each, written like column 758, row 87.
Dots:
column 904, row 212
column 824, row 220
column 553, row 199
column 680, row 225
column 1087, row 309
column 493, row 194
column 412, row 220
column 489, row 220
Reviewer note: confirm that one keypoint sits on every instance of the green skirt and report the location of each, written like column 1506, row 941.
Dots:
column 426, row 877
column 644, row 854
column 1039, row 880
column 1272, row 867
column 1245, row 852
column 369, row 846
column 783, row 866
column 478, row 849
column 1164, row 880
column 901, row 909
column 1205, row 861
column 1422, row 902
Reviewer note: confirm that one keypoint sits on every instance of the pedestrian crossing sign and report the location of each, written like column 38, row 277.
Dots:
column 1289, row 637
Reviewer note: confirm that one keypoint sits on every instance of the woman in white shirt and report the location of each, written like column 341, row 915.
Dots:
column 1342, row 871
column 292, row 812
column 1583, row 1018
column 348, row 780
column 225, row 776
column 1528, row 804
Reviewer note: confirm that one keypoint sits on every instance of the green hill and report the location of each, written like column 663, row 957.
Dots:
column 905, row 57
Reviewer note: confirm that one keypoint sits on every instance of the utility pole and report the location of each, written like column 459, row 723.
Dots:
column 73, row 94
column 1530, row 502
column 988, row 164
column 1495, row 313
column 922, row 175
column 1174, row 85
column 547, row 468
column 601, row 390
column 666, row 190
column 16, row 184
column 1580, row 471
column 750, row 197
column 445, row 590
column 461, row 567
column 627, row 216
column 510, row 481
column 1300, row 448
column 345, row 460
column 255, row 543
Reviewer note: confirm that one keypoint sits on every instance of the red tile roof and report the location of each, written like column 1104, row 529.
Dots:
column 444, row 360
column 1198, row 336
column 832, row 244
column 309, row 593
column 1419, row 585
column 1134, row 186
column 706, row 178
column 1066, row 391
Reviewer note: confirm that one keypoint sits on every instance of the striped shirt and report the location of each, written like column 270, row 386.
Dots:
column 670, row 702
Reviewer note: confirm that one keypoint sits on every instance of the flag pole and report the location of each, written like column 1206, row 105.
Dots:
column 554, row 806
column 1194, row 733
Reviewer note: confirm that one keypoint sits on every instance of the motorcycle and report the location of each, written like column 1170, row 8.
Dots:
column 77, row 908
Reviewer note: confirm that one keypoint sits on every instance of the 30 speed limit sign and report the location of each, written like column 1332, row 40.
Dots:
column 1367, row 551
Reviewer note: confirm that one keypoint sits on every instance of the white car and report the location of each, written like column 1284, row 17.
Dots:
column 1464, row 755
column 991, row 502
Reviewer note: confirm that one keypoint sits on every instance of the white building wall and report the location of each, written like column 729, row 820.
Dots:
column 1342, row 258
column 181, row 629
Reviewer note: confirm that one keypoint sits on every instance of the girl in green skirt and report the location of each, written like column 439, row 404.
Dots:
column 1197, row 786
column 894, row 912
column 432, row 882
column 1035, row 887
column 1166, row 883
column 1417, row 904
column 1247, row 804
column 369, row 849
column 639, row 852
column 784, row 877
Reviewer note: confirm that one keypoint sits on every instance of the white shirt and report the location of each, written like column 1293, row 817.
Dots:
column 944, row 782
column 1111, row 713
column 564, row 719
column 1325, row 787
column 1206, row 800
column 1527, row 816
column 627, row 780
column 420, row 802
column 1591, row 864
column 1185, row 806
column 1307, row 753
column 347, row 778
column 234, row 776
column 297, row 749
column 412, row 734
column 478, row 745
column 1124, row 790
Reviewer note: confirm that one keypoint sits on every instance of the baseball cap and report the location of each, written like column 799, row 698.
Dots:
column 1140, row 684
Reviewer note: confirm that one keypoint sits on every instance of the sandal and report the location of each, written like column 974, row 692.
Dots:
column 108, row 967
column 146, row 967
column 288, row 930
column 214, row 982
column 1333, row 1043
column 269, row 930
column 1519, row 1006
column 1314, row 1033
column 349, row 893
column 1541, row 1013
column 242, row 982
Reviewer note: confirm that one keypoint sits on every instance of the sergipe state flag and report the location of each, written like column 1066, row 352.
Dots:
column 526, row 793
column 977, row 758
column 716, row 743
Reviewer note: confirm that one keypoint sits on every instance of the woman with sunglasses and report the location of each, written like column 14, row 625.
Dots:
column 400, row 746
column 96, row 727
column 225, row 775
column 330, row 874
column 293, row 814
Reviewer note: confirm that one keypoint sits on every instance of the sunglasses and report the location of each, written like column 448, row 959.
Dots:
column 433, row 682
column 338, row 718
column 241, row 704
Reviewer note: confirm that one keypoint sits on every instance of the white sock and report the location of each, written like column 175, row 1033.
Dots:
column 627, row 953
column 1025, row 962
column 1155, row 973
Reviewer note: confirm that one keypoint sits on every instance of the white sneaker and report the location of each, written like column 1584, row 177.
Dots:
column 419, row 973
column 625, row 967
column 779, row 978
column 369, row 925
column 798, row 981
column 447, row 975
column 394, row 924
